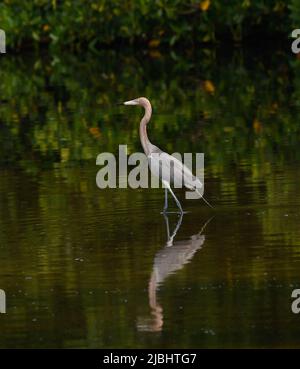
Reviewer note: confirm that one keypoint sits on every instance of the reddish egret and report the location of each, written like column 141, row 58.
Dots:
column 166, row 167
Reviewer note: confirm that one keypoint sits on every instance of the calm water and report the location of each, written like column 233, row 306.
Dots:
column 84, row 267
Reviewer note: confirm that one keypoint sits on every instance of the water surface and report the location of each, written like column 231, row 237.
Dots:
column 84, row 267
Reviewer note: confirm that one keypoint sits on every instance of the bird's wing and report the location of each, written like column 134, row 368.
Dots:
column 170, row 169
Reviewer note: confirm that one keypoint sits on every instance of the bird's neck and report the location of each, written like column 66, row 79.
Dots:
column 143, row 130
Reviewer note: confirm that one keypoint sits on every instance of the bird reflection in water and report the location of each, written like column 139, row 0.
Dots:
column 171, row 258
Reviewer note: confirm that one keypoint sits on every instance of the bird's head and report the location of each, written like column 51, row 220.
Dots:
column 141, row 101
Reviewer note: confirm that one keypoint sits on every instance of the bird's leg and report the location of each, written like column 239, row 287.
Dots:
column 166, row 200
column 177, row 201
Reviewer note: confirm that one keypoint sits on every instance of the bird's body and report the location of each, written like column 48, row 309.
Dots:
column 171, row 170
column 166, row 167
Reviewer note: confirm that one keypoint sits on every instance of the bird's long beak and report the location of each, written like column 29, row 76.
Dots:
column 131, row 102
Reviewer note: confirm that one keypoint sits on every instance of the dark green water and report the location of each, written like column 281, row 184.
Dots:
column 84, row 267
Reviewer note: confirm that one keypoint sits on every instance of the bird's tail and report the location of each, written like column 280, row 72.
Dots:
column 203, row 198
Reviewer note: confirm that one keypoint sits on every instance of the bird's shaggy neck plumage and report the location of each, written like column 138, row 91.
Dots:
column 145, row 103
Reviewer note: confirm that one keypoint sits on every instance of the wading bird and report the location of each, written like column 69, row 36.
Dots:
column 169, row 169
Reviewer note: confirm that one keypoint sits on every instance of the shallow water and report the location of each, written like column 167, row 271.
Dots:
column 84, row 267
